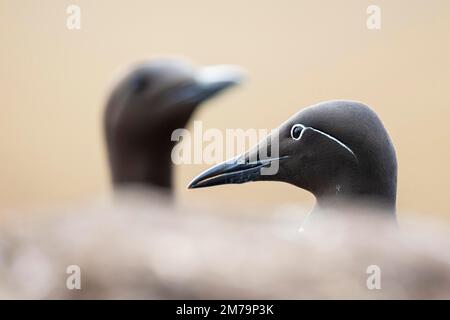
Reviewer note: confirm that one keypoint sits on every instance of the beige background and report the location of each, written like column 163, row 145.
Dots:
column 54, row 81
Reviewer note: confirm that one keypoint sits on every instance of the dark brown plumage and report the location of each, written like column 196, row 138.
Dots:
column 146, row 106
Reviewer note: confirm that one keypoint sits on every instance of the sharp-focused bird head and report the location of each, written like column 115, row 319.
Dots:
column 336, row 150
column 147, row 105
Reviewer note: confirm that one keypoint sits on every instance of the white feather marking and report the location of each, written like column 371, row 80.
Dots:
column 322, row 133
column 337, row 141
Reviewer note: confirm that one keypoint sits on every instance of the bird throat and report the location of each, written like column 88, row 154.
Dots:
column 144, row 166
column 341, row 201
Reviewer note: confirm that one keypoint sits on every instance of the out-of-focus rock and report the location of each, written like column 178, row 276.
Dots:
column 148, row 248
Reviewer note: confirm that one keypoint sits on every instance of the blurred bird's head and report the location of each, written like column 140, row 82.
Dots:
column 148, row 104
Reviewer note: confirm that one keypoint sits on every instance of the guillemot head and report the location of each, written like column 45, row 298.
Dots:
column 337, row 150
column 146, row 106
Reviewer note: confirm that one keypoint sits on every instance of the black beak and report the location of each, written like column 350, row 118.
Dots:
column 236, row 171
column 229, row 172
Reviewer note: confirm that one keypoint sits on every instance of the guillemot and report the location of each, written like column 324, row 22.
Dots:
column 338, row 150
column 146, row 105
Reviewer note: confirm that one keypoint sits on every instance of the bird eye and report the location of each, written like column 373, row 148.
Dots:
column 296, row 131
column 139, row 84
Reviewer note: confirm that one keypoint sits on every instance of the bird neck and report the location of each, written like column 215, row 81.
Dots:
column 339, row 214
column 144, row 164
column 355, row 204
column 352, row 191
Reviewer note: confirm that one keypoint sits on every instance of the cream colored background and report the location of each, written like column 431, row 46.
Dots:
column 54, row 81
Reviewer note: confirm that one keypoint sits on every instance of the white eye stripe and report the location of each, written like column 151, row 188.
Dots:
column 322, row 133
column 337, row 141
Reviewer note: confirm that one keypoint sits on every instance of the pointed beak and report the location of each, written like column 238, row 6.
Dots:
column 232, row 172
column 228, row 172
column 211, row 80
column 250, row 166
column 207, row 83
column 220, row 74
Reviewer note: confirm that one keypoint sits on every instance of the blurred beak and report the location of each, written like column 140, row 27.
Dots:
column 225, row 74
column 241, row 169
column 212, row 80
column 208, row 82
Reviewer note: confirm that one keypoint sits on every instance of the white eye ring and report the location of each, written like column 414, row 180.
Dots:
column 295, row 126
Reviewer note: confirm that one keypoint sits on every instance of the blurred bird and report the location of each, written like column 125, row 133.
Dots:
column 146, row 106
column 337, row 150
